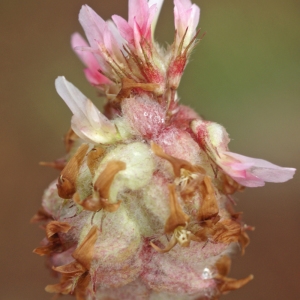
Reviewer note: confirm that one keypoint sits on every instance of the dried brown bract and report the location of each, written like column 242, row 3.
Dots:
column 100, row 197
column 209, row 206
column 75, row 275
column 54, row 245
column 66, row 185
column 224, row 283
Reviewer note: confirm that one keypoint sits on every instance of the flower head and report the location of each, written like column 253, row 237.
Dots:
column 142, row 206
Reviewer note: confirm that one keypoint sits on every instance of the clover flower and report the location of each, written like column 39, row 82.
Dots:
column 142, row 206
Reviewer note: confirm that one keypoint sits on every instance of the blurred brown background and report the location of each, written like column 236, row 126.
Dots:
column 244, row 74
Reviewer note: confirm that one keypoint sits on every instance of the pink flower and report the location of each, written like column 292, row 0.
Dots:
column 104, row 41
column 247, row 171
column 186, row 19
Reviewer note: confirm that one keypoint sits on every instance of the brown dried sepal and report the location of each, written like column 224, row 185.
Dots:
column 75, row 275
column 177, row 216
column 58, row 164
column 69, row 139
column 100, row 198
column 230, row 186
column 85, row 251
column 93, row 158
column 41, row 216
column 103, row 183
column 54, row 244
column 226, row 231
column 176, row 163
column 224, row 283
column 244, row 239
column 105, row 179
column 209, row 206
column 66, row 185
column 55, row 227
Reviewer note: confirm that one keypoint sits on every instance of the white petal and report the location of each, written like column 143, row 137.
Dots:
column 92, row 24
column 159, row 4
column 87, row 121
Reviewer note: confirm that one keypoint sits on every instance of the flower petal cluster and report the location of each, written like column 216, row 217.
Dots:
column 120, row 52
column 142, row 208
column 247, row 171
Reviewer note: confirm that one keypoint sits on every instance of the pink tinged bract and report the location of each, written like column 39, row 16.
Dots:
column 186, row 17
column 247, row 171
column 92, row 72
column 87, row 121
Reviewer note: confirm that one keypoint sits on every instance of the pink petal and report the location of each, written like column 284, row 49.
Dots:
column 86, row 57
column 116, row 33
column 124, row 28
column 263, row 169
column 92, row 24
column 111, row 44
column 95, row 77
column 186, row 15
column 139, row 10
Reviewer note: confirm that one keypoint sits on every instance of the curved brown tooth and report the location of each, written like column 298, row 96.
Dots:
column 209, row 207
column 64, row 287
column 66, row 185
column 177, row 216
column 72, row 269
column 50, row 248
column 54, row 227
column 226, row 284
column 58, row 164
column 176, row 163
column 110, row 207
column 105, row 179
column 41, row 216
column 244, row 241
column 65, row 188
column 89, row 203
column 231, row 284
column 85, row 251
